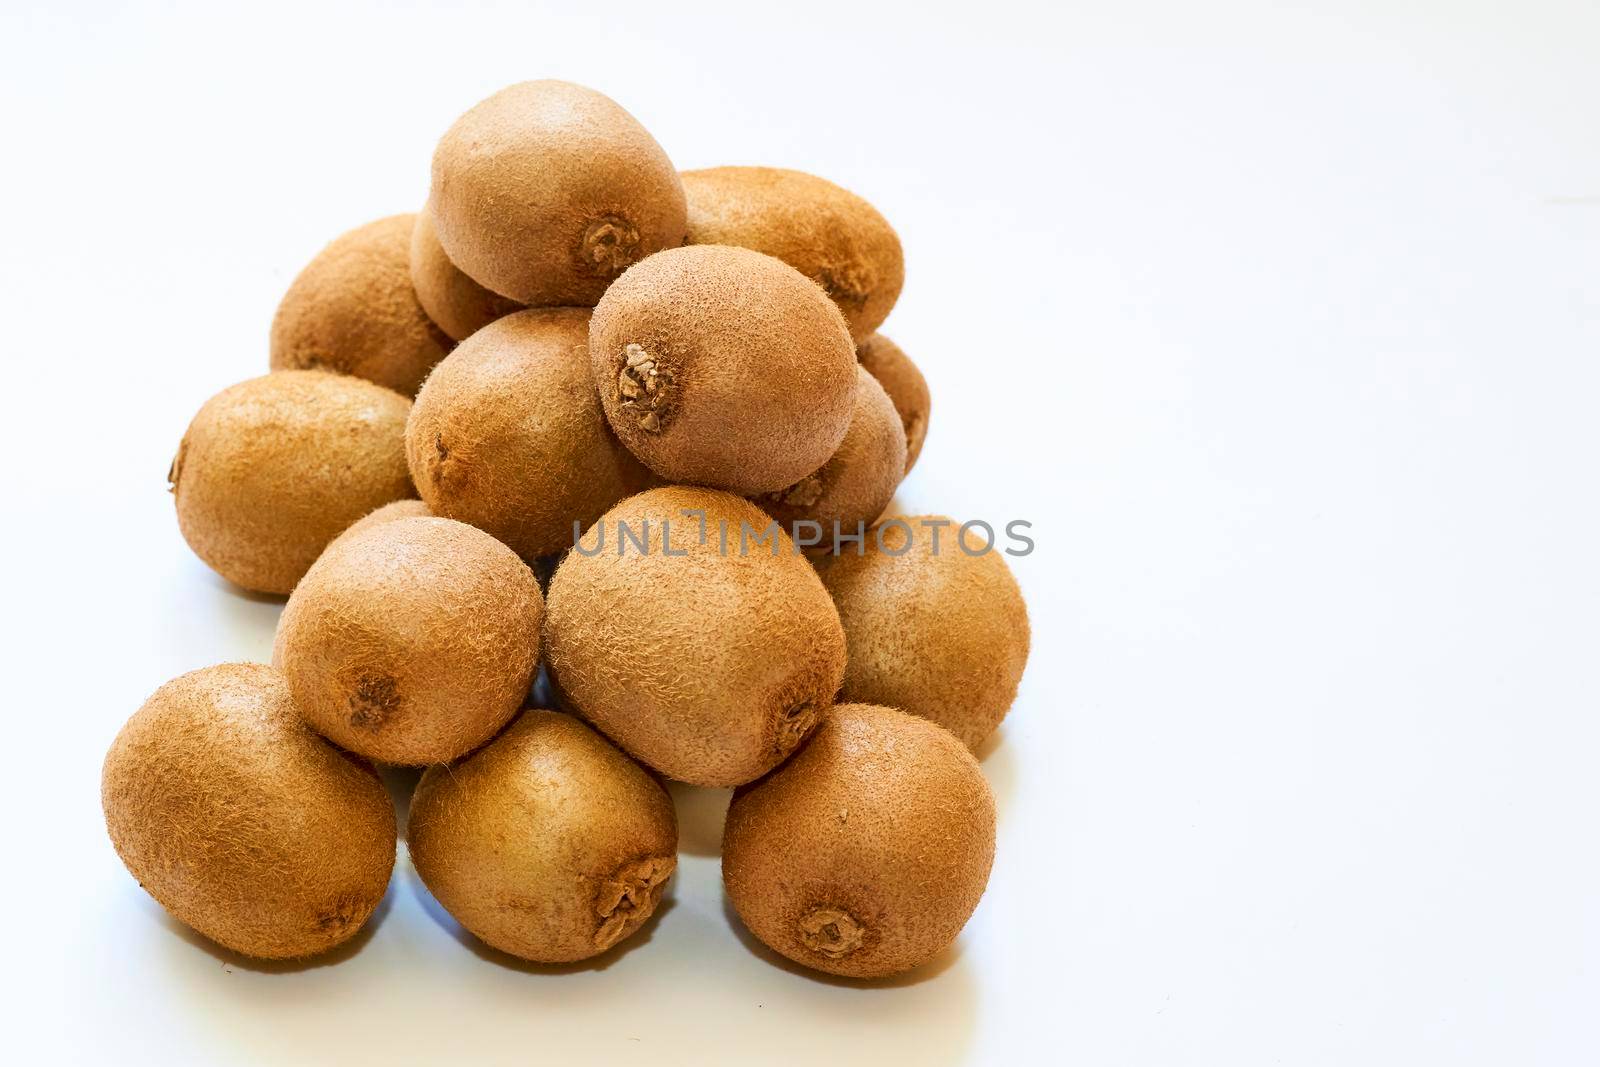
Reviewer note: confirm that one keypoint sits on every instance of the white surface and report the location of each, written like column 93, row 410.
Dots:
column 1282, row 328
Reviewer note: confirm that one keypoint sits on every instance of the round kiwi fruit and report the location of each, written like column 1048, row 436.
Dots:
column 352, row 310
column 829, row 234
column 546, row 191
column 703, row 653
column 723, row 367
column 933, row 629
column 412, row 641
column 399, row 509
column 272, row 469
column 905, row 385
column 865, row 854
column 459, row 305
column 241, row 821
column 508, row 434
column 850, row 490
column 546, row 843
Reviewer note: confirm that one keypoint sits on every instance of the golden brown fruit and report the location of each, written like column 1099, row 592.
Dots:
column 546, row 191
column 352, row 310
column 829, row 234
column 866, row 853
column 508, row 434
column 858, row 481
column 459, row 305
column 400, row 509
column 274, row 468
column 708, row 665
column 241, row 821
column 723, row 367
column 413, row 641
column 546, row 843
column 905, row 385
column 939, row 633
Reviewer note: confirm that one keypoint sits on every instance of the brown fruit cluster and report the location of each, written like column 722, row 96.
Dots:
column 636, row 427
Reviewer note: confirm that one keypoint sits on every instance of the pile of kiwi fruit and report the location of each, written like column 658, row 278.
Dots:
column 503, row 469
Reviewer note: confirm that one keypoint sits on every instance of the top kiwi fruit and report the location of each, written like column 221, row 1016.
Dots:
column 701, row 652
column 546, row 191
column 865, row 854
column 547, row 843
column 827, row 233
column 934, row 627
column 244, row 823
column 723, row 367
column 272, row 469
column 353, row 310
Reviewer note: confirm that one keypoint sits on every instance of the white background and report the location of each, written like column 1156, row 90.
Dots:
column 1283, row 329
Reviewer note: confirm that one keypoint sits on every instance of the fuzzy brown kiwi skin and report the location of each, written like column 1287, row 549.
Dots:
column 459, row 305
column 546, row 191
column 399, row 509
column 723, row 367
column 906, row 386
column 353, row 310
column 508, row 434
column 943, row 635
column 710, row 667
column 272, row 469
column 547, row 843
column 865, row 854
column 858, row 481
column 825, row 232
column 413, row 641
column 241, row 821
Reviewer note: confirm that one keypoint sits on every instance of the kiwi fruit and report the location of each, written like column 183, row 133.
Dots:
column 829, row 234
column 272, row 469
column 935, row 631
column 412, row 641
column 865, row 854
column 702, row 653
column 546, row 191
column 459, row 305
column 399, row 509
column 508, row 434
column 905, row 385
column 850, row 490
column 352, row 310
column 723, row 367
column 546, row 843
column 241, row 821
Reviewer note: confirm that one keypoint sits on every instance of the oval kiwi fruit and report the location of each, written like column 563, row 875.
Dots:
column 865, row 854
column 508, row 434
column 412, row 641
column 934, row 631
column 241, row 821
column 905, row 385
column 547, row 191
column 829, row 234
column 399, row 509
column 850, row 490
column 546, row 843
column 702, row 653
column 459, row 305
column 272, row 469
column 352, row 310
column 723, row 367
